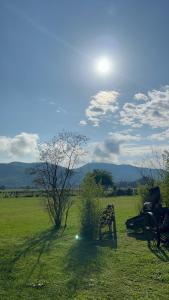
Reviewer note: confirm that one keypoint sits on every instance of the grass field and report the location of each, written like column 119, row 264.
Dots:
column 35, row 263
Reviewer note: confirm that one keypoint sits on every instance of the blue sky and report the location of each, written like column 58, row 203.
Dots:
column 49, row 82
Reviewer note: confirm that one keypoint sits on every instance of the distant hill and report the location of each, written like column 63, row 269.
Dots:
column 15, row 174
column 119, row 172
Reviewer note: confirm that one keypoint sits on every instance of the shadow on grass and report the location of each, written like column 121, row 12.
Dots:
column 160, row 252
column 111, row 243
column 84, row 262
column 34, row 248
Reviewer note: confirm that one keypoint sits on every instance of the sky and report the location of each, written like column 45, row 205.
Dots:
column 50, row 78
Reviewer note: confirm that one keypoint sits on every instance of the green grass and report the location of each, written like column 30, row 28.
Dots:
column 31, row 253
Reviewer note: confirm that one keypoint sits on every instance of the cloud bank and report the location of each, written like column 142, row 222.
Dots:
column 101, row 106
column 111, row 147
column 154, row 111
column 22, row 146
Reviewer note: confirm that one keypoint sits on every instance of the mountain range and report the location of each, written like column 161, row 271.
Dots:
column 16, row 174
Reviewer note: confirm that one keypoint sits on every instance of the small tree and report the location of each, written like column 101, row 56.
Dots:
column 156, row 173
column 152, row 174
column 90, row 210
column 152, row 170
column 59, row 157
column 143, row 191
column 164, row 186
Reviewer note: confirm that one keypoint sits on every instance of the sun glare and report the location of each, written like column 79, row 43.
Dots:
column 103, row 66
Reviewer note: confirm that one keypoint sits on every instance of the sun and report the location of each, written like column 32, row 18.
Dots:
column 103, row 65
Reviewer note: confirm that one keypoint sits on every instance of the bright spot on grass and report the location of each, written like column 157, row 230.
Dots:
column 76, row 237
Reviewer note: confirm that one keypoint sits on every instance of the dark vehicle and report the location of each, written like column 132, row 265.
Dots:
column 154, row 218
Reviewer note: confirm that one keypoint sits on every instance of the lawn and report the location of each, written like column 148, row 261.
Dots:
column 36, row 263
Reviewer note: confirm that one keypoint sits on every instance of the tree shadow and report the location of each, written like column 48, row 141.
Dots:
column 83, row 262
column 107, row 243
column 37, row 245
column 160, row 252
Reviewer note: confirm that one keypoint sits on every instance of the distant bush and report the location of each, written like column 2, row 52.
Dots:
column 124, row 192
column 109, row 193
column 90, row 211
column 143, row 191
column 2, row 187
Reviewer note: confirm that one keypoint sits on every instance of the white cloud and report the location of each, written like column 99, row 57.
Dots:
column 22, row 146
column 110, row 149
column 101, row 106
column 125, row 150
column 161, row 136
column 52, row 103
column 143, row 155
column 136, row 150
column 83, row 123
column 140, row 96
column 124, row 137
column 102, row 154
column 154, row 112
